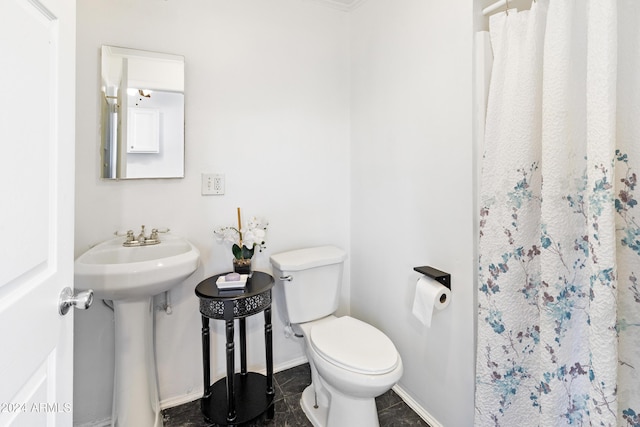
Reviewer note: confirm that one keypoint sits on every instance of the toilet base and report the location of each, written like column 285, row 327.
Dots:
column 317, row 416
column 346, row 412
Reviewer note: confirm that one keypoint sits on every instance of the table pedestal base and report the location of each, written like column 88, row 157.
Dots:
column 250, row 399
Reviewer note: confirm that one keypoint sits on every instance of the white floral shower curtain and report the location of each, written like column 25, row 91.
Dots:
column 559, row 292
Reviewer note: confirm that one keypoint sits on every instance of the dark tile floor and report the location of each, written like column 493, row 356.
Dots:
column 392, row 411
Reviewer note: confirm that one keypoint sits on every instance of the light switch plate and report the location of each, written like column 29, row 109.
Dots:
column 212, row 184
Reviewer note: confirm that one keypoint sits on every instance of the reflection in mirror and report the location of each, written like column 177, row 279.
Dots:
column 142, row 114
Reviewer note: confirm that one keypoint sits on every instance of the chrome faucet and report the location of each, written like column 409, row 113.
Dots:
column 142, row 239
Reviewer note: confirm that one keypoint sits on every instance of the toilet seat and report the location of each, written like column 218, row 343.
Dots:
column 354, row 345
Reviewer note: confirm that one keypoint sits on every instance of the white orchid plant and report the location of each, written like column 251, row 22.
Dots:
column 244, row 240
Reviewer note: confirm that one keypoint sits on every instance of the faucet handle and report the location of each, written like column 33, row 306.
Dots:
column 129, row 234
column 154, row 235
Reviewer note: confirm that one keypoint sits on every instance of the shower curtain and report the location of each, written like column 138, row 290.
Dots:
column 559, row 259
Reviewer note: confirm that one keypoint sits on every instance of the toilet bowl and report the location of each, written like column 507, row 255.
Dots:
column 355, row 363
column 351, row 361
column 354, row 357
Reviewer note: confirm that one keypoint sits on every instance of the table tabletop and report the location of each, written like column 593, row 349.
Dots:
column 230, row 304
column 258, row 283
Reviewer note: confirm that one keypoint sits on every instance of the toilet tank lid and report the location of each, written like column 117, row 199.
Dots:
column 302, row 259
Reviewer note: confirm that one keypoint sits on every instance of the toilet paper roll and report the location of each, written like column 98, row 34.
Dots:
column 430, row 296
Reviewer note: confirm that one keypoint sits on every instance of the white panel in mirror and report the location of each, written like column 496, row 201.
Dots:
column 143, row 133
column 142, row 114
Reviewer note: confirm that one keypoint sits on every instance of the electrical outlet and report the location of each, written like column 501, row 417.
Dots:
column 212, row 184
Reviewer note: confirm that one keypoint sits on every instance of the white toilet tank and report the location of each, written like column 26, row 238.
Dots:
column 311, row 279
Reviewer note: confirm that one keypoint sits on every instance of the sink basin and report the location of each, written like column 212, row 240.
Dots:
column 131, row 276
column 116, row 272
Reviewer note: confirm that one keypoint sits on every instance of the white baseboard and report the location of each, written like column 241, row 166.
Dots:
column 181, row 400
column 289, row 364
column 416, row 407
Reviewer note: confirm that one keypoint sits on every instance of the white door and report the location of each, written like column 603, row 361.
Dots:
column 37, row 109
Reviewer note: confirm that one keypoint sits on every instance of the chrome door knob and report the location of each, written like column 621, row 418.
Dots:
column 81, row 300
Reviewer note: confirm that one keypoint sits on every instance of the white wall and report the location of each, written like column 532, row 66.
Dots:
column 346, row 128
column 267, row 104
column 412, row 189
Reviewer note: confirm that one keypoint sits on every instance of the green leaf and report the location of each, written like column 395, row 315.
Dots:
column 237, row 252
column 242, row 253
column 247, row 253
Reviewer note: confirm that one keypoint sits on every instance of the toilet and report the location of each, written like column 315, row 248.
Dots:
column 351, row 361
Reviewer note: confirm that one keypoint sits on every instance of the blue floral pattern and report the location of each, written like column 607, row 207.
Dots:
column 539, row 298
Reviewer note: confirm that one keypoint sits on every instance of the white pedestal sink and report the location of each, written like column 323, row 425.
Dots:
column 131, row 276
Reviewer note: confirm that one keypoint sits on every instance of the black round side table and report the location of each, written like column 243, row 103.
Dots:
column 243, row 396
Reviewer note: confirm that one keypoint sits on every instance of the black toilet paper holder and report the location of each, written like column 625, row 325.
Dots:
column 435, row 274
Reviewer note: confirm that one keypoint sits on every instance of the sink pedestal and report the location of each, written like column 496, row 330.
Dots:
column 135, row 391
column 130, row 277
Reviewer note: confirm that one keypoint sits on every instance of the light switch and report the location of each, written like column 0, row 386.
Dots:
column 212, row 184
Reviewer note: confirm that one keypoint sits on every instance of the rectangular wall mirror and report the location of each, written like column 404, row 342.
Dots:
column 142, row 119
